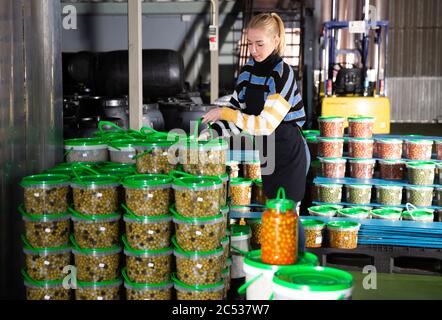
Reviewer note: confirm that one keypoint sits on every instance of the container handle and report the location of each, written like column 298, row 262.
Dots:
column 272, row 297
column 281, row 194
column 74, row 242
column 237, row 250
column 175, row 174
column 27, row 277
column 136, row 157
column 242, row 290
column 125, row 242
column 25, row 241
column 410, row 211
column 128, row 211
column 22, row 210
column 82, row 166
column 101, row 124
column 175, row 243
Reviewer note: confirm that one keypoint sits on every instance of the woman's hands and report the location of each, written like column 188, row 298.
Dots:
column 212, row 116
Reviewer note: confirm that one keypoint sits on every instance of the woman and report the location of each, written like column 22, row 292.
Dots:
column 267, row 102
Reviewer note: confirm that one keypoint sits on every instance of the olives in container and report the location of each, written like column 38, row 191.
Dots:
column 46, row 231
column 201, row 292
column 256, row 226
column 420, row 196
column 389, row 149
column 418, row 215
column 421, row 173
column 199, row 268
column 241, row 192
column 359, row 193
column 46, row 194
column 45, row 290
column 324, row 211
column 331, row 147
column 154, row 157
column 148, row 266
column 330, row 193
column 392, row 169
column 355, row 213
column 225, row 242
column 360, row 148
column 86, row 150
column 439, row 196
column 122, row 151
column 99, row 291
column 439, row 149
column 258, row 195
column 386, row 214
column 197, row 197
column 233, row 169
column 389, row 195
column 343, row 234
column 148, row 195
column 46, row 263
column 313, row 232
column 333, row 167
column 95, row 232
column 362, row 168
column 95, row 195
column 331, row 127
column 148, row 233
column 225, row 212
column 204, row 158
column 252, row 170
column 199, row 234
column 361, row 127
column 96, row 265
column 147, row 291
column 419, row 149
column 224, row 191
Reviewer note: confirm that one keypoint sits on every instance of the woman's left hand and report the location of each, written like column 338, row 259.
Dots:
column 212, row 116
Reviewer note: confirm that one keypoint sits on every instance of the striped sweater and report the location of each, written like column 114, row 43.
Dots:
column 283, row 100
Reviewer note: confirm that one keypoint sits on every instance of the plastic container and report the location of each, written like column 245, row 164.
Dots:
column 197, row 197
column 227, row 279
column 361, row 127
column 95, row 232
column 359, row 193
column 360, row 148
column 199, row 234
column 95, row 195
column 252, row 170
column 355, row 213
column 392, row 169
column 46, row 231
column 258, row 195
column 200, row 292
column 439, row 168
column 259, row 275
column 96, row 265
column 153, row 156
column 419, row 149
column 386, row 214
column 343, row 234
column 439, row 196
column 199, row 268
column 45, row 290
column 241, row 192
column 314, row 230
column 389, row 149
column 225, row 242
column 86, row 150
column 224, row 192
column 240, row 246
column 148, row 195
column 144, row 266
column 312, row 283
column 324, row 211
column 46, row 263
column 418, row 215
column 122, row 151
column 46, row 194
column 313, row 146
column 147, row 291
column 362, row 168
column 331, row 127
column 330, row 193
column 331, row 147
column 438, row 149
column 333, row 168
column 421, row 173
column 148, row 233
column 420, row 196
column 279, row 241
column 101, row 291
column 389, row 195
column 256, row 227
column 233, row 169
column 225, row 212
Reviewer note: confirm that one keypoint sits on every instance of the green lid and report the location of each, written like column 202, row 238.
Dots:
column 78, row 216
column 119, row 165
column 362, row 119
column 84, row 142
column 312, row 133
column 159, row 142
column 43, row 218
column 134, row 285
column 391, row 162
column 421, row 165
column 419, row 141
column 312, row 224
column 312, row 138
column 329, row 185
column 137, row 252
column 281, row 203
column 387, row 140
column 331, row 139
column 28, row 247
column 369, row 161
column 419, row 188
column 316, row 279
column 333, row 118
column 239, row 231
column 197, row 182
column 343, row 225
column 387, row 213
column 45, row 180
column 254, row 259
column 40, row 283
column 147, row 180
column 362, row 186
column 190, row 254
column 95, row 180
column 240, row 181
column 180, row 218
column 110, row 283
column 324, row 210
column 118, row 172
column 418, row 214
column 77, row 249
column 333, row 160
column 360, row 140
column 123, row 143
column 208, row 287
column 355, row 211
column 258, row 182
column 224, row 177
column 209, row 144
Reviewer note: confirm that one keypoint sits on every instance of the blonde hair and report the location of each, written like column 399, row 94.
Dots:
column 273, row 24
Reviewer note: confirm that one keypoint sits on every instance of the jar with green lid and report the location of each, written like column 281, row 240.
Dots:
column 199, row 268
column 224, row 192
column 240, row 245
column 343, row 234
column 358, row 193
column 197, row 196
column 258, row 195
column 120, row 172
column 312, row 283
column 225, row 243
column 86, row 150
column 389, row 149
column 225, row 212
column 313, row 232
column 329, row 193
column 148, row 266
column 355, row 213
column 386, row 214
column 122, row 151
column 421, row 173
column 331, row 127
column 241, row 191
column 158, row 291
column 360, row 148
column 252, row 170
column 420, row 196
column 198, row 234
column 331, row 147
column 256, row 227
column 96, row 265
column 333, row 168
column 362, row 168
column 101, row 291
column 153, row 156
column 46, row 194
column 418, row 215
column 389, row 195
column 324, row 211
column 46, row 263
column 392, row 169
column 361, row 127
column 45, row 231
column 96, row 231
column 96, row 194
column 311, row 133
column 45, row 290
column 419, row 149
column 198, row 292
column 149, row 194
